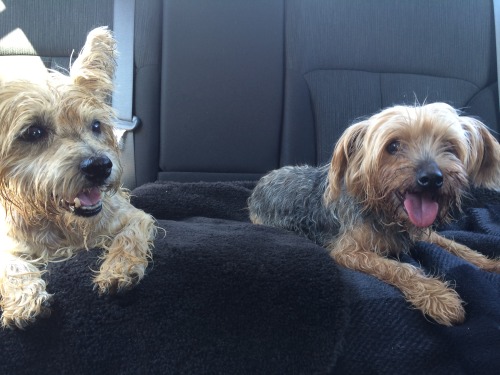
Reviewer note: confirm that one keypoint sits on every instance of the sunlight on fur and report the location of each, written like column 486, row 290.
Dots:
column 60, row 188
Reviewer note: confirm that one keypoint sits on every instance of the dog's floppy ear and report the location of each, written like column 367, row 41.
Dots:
column 483, row 159
column 95, row 66
column 346, row 148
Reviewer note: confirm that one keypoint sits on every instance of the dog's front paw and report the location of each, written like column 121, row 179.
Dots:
column 119, row 274
column 495, row 266
column 23, row 299
column 448, row 313
column 441, row 303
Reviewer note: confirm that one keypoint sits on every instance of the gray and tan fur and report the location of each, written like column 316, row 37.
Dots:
column 390, row 179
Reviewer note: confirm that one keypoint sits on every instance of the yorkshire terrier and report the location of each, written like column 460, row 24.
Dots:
column 391, row 178
column 60, row 183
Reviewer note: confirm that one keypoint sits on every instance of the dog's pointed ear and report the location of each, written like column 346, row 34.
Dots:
column 483, row 158
column 346, row 148
column 95, row 66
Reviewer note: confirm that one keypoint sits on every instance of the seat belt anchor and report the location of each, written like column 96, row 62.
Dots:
column 127, row 125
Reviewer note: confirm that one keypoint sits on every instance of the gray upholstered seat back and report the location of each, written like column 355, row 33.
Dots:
column 231, row 89
column 251, row 86
column 222, row 85
column 349, row 58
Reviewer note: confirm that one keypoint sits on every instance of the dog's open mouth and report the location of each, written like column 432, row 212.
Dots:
column 87, row 202
column 421, row 207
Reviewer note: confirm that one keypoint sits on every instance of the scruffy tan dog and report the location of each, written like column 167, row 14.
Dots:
column 390, row 179
column 60, row 183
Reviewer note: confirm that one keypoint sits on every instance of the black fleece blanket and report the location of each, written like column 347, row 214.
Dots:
column 224, row 296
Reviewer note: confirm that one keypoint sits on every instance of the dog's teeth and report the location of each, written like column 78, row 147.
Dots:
column 77, row 203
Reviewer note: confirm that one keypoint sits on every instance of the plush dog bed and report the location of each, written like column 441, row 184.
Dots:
column 224, row 296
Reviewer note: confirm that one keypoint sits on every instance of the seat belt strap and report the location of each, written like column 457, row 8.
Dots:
column 122, row 99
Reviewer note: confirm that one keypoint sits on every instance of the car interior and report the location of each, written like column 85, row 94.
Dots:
column 223, row 92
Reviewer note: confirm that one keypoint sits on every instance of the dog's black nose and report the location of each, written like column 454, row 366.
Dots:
column 96, row 169
column 429, row 176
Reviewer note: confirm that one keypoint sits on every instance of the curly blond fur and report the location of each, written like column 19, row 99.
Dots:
column 391, row 177
column 60, row 183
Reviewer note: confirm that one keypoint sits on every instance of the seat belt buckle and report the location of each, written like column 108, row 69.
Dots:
column 127, row 125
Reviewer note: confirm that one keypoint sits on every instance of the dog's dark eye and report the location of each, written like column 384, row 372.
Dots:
column 34, row 133
column 393, row 147
column 450, row 148
column 96, row 127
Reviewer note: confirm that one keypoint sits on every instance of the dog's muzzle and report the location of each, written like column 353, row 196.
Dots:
column 96, row 169
column 88, row 202
column 421, row 204
column 429, row 177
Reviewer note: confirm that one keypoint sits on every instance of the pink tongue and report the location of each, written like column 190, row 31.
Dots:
column 422, row 210
column 89, row 197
